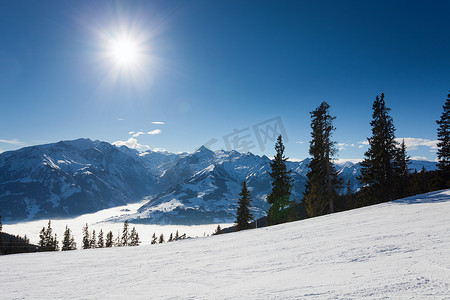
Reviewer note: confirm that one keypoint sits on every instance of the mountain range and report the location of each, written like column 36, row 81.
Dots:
column 71, row 178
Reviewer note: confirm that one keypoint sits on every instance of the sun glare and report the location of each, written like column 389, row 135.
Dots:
column 124, row 52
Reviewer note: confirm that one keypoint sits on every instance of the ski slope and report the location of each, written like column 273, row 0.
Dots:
column 392, row 250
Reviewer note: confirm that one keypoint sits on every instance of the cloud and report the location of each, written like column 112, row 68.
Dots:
column 413, row 143
column 153, row 132
column 131, row 143
column 344, row 160
column 14, row 142
column 159, row 149
column 419, row 158
column 299, row 142
column 138, row 133
column 158, row 123
column 344, row 146
column 120, row 119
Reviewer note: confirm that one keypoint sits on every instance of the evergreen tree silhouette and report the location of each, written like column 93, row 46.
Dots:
column 125, row 234
column 109, row 240
column 243, row 215
column 443, row 153
column 68, row 242
column 134, row 238
column 86, row 244
column 93, row 241
column 101, row 241
column 320, row 194
column 377, row 168
column 154, row 239
column 279, row 198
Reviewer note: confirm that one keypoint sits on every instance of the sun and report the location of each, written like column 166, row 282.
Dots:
column 125, row 52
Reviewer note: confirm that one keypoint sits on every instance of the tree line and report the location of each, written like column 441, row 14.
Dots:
column 385, row 174
column 48, row 241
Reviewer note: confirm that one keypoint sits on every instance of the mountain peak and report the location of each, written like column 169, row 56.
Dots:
column 204, row 150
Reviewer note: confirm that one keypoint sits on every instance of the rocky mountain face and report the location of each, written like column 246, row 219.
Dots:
column 71, row 178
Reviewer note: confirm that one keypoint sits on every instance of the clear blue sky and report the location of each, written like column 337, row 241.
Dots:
column 207, row 68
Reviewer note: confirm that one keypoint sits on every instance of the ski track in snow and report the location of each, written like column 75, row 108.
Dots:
column 399, row 249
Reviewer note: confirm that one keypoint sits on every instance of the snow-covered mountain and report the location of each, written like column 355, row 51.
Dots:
column 203, row 188
column 81, row 176
column 69, row 178
column 394, row 250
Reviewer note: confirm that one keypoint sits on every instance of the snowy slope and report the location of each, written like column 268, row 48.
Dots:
column 392, row 250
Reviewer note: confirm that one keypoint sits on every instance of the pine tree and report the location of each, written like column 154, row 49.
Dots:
column 48, row 242
column 42, row 240
column 55, row 244
column 125, row 234
column 443, row 153
column 93, row 241
column 154, row 239
column 279, row 199
column 401, row 172
column 218, row 229
column 161, row 238
column 134, row 238
column 170, row 238
column 118, row 242
column 109, row 240
column 68, row 242
column 1, row 237
column 377, row 169
column 86, row 244
column 243, row 215
column 320, row 194
column 177, row 236
column 101, row 241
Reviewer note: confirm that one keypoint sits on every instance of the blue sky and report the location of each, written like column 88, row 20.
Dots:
column 208, row 68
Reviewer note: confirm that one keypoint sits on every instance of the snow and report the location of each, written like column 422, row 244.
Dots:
column 392, row 250
column 100, row 220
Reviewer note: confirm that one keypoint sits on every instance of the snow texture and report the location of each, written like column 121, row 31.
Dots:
column 392, row 250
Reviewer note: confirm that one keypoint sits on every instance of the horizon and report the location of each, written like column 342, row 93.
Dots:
column 167, row 75
column 291, row 159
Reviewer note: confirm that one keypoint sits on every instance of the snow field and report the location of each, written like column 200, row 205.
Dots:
column 392, row 250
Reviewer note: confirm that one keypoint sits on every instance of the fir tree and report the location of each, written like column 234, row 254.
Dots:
column 86, row 244
column 377, row 169
column 93, row 240
column 443, row 153
column 134, row 238
column 218, row 229
column 177, row 236
column 68, row 242
column 125, row 234
column 401, row 172
column 320, row 194
column 101, row 241
column 42, row 239
column 161, row 238
column 109, row 240
column 154, row 239
column 55, row 244
column 48, row 242
column 243, row 215
column 1, row 237
column 279, row 198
